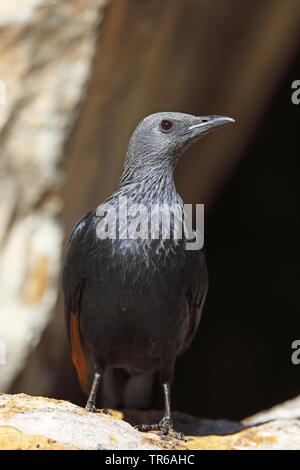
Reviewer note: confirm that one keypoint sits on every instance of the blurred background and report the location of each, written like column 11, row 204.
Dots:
column 79, row 75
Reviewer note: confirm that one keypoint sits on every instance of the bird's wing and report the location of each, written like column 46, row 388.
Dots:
column 197, row 291
column 73, row 285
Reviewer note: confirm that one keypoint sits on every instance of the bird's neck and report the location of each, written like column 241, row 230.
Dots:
column 149, row 183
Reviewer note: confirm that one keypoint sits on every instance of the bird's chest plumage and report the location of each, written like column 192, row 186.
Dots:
column 134, row 306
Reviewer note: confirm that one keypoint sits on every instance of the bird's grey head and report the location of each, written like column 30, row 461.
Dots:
column 161, row 137
column 168, row 133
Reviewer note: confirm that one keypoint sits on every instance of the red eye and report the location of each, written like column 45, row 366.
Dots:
column 166, row 125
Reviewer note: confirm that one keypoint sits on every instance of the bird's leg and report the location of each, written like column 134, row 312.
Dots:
column 91, row 403
column 165, row 426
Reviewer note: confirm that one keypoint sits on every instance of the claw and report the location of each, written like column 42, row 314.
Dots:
column 92, row 409
column 165, row 426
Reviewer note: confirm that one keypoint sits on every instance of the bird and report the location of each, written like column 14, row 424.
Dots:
column 133, row 303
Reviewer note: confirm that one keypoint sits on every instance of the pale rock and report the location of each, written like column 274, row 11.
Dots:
column 46, row 53
column 34, row 422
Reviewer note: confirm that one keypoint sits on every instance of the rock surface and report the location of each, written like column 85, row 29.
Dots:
column 41, row 423
column 46, row 51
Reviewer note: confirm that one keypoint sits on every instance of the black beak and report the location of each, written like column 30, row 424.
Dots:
column 206, row 124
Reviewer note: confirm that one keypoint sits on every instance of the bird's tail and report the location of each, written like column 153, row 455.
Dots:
column 122, row 390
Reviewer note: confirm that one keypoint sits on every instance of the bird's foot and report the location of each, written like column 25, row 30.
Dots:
column 165, row 428
column 92, row 409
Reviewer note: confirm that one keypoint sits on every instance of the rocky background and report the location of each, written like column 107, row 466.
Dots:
column 46, row 51
column 78, row 76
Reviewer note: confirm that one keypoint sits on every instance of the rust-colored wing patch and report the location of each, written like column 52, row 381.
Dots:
column 77, row 352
